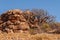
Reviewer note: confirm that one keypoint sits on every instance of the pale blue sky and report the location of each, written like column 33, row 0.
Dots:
column 52, row 6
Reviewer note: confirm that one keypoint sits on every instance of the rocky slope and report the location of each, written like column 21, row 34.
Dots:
column 25, row 21
column 17, row 21
column 21, row 25
column 13, row 20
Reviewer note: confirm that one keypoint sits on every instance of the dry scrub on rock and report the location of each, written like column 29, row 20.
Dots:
column 30, row 21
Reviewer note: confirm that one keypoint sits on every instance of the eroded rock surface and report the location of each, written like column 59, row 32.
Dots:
column 13, row 20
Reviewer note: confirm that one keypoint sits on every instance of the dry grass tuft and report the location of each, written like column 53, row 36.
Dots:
column 23, row 36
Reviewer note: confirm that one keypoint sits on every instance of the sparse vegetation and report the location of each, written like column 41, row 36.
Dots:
column 34, row 24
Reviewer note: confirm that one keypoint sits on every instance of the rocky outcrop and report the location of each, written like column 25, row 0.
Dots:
column 13, row 20
column 23, row 21
column 17, row 20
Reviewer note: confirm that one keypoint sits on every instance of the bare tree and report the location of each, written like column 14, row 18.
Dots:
column 43, row 16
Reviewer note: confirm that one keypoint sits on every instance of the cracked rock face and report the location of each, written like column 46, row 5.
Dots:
column 17, row 21
column 13, row 20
